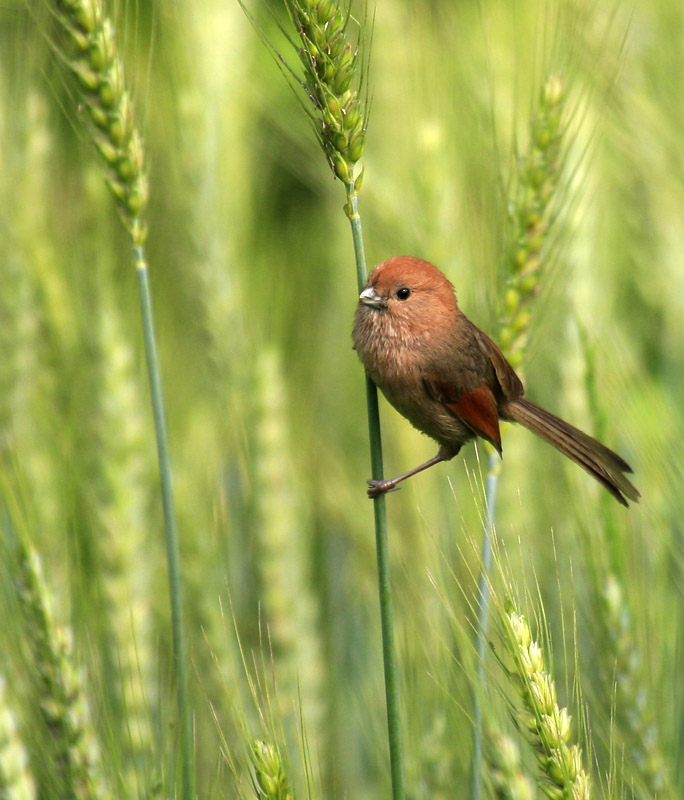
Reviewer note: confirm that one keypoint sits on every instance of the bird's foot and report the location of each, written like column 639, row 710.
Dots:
column 376, row 488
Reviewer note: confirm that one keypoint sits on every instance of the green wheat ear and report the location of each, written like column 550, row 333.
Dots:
column 333, row 80
column 16, row 780
column 330, row 63
column 530, row 211
column 62, row 703
column 548, row 724
column 505, row 769
column 633, row 709
column 270, row 779
column 92, row 57
column 289, row 607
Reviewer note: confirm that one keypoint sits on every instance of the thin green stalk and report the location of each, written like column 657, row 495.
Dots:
column 381, row 540
column 334, row 76
column 537, row 181
column 482, row 623
column 92, row 56
column 172, row 549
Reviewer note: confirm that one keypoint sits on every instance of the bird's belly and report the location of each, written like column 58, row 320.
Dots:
column 428, row 416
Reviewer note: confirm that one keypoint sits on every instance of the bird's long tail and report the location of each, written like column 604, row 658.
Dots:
column 600, row 462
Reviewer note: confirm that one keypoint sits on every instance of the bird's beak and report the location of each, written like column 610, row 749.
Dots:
column 369, row 297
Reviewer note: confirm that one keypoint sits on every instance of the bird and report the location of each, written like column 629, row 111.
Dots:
column 449, row 379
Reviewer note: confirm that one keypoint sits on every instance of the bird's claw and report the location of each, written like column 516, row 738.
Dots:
column 376, row 488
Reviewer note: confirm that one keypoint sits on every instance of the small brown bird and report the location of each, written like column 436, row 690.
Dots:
column 450, row 380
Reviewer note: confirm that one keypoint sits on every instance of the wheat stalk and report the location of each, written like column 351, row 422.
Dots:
column 333, row 83
column 536, row 182
column 92, row 57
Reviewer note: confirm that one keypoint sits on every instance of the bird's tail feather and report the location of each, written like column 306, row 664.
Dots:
column 600, row 462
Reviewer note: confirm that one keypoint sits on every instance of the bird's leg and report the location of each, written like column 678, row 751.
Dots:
column 380, row 487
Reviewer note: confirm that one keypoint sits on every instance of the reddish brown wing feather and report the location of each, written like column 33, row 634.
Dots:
column 510, row 383
column 478, row 410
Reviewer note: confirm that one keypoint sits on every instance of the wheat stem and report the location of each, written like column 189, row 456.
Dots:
column 333, row 78
column 482, row 624
column 381, row 539
column 93, row 58
column 537, row 178
column 172, row 548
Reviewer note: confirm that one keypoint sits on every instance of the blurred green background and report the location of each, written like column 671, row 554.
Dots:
column 254, row 288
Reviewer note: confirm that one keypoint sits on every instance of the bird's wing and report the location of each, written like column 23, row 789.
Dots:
column 477, row 409
column 511, row 385
column 476, row 403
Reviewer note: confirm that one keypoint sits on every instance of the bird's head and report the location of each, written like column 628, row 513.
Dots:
column 410, row 292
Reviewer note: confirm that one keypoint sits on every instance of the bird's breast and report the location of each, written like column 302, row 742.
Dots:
column 397, row 363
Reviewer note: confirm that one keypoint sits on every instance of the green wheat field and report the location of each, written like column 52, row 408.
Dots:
column 535, row 152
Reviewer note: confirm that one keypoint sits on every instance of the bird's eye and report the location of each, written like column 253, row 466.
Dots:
column 404, row 294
